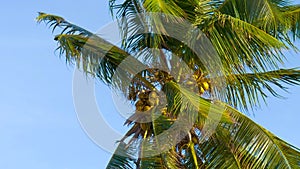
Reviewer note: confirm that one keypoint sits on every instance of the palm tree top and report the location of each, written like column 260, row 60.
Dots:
column 249, row 38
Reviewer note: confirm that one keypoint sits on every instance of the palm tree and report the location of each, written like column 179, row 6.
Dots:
column 248, row 38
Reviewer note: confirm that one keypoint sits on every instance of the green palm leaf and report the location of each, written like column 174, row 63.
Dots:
column 249, row 88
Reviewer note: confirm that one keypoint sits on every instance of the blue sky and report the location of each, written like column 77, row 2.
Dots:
column 38, row 123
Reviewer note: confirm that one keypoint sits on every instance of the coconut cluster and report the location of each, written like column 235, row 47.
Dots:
column 197, row 83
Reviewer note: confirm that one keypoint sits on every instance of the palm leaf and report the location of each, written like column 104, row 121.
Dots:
column 292, row 15
column 257, row 147
column 93, row 54
column 249, row 88
column 250, row 144
column 121, row 159
column 241, row 144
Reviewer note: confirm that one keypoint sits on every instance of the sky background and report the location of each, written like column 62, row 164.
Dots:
column 38, row 123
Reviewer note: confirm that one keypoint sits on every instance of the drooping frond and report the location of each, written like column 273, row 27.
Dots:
column 122, row 159
column 57, row 21
column 93, row 54
column 249, row 88
column 244, row 144
column 247, row 144
column 237, row 144
column 292, row 15
column 256, row 147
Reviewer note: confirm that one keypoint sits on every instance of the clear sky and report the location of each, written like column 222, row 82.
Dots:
column 38, row 124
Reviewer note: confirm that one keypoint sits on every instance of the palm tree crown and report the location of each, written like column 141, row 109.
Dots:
column 245, row 38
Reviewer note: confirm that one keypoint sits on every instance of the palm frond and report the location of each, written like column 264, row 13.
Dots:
column 245, row 90
column 169, row 7
column 277, row 18
column 242, row 142
column 93, row 54
column 57, row 21
column 261, row 13
column 243, row 46
column 238, row 144
column 257, row 147
column 122, row 158
column 292, row 15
